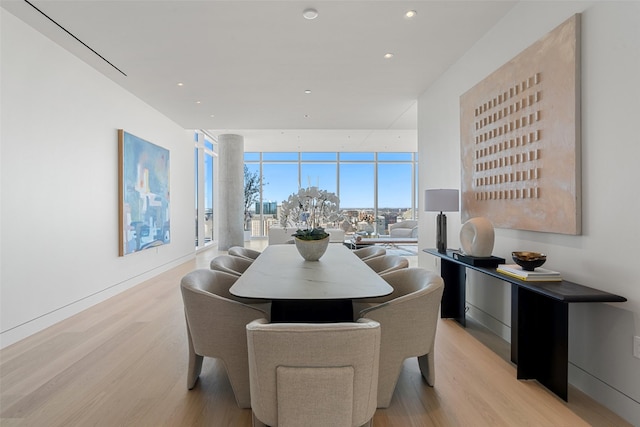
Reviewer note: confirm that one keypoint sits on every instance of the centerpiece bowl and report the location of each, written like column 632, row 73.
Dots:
column 528, row 260
column 309, row 209
column 311, row 244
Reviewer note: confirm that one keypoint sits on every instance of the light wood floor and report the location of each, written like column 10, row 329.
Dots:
column 123, row 363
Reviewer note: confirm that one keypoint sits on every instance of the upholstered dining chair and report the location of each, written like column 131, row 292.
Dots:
column 408, row 318
column 216, row 322
column 370, row 252
column 407, row 228
column 230, row 264
column 242, row 252
column 387, row 263
column 313, row 375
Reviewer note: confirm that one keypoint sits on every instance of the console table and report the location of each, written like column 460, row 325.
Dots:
column 539, row 318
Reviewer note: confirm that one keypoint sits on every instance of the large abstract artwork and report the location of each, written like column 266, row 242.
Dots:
column 144, row 194
column 520, row 138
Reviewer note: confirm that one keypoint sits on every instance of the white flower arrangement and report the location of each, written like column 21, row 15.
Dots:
column 308, row 210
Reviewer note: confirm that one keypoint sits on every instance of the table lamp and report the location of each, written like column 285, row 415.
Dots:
column 441, row 200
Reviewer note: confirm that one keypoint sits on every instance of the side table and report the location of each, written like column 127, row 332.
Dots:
column 539, row 318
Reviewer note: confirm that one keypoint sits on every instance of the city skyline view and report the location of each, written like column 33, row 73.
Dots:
column 381, row 185
column 356, row 173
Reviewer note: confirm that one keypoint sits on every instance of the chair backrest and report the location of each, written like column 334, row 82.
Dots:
column 212, row 311
column 278, row 235
column 387, row 263
column 370, row 252
column 242, row 252
column 216, row 325
column 313, row 374
column 409, row 283
column 404, row 224
column 408, row 319
column 407, row 228
column 336, row 235
column 230, row 264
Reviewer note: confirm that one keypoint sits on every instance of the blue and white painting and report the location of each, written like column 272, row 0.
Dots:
column 144, row 199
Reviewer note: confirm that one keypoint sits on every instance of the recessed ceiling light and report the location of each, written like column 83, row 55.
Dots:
column 310, row 13
column 307, row 91
column 198, row 102
column 410, row 14
column 306, row 116
column 180, row 84
column 388, row 55
column 212, row 115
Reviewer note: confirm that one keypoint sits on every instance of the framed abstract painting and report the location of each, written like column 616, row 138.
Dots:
column 144, row 203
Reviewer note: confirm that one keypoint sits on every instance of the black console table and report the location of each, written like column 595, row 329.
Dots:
column 539, row 318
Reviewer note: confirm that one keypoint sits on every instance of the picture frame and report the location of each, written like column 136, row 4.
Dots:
column 520, row 138
column 144, row 196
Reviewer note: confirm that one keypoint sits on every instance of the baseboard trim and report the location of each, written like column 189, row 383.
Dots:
column 603, row 393
column 44, row 321
column 489, row 322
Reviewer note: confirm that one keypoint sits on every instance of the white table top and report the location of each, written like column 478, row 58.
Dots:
column 281, row 273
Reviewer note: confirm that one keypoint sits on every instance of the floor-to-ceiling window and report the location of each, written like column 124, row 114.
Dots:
column 319, row 170
column 204, row 162
column 208, row 192
column 196, row 187
column 358, row 191
column 280, row 178
column 375, row 189
column 395, row 189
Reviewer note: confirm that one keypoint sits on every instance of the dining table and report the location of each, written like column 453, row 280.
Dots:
column 310, row 291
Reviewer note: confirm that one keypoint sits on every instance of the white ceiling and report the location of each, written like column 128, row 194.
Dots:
column 246, row 64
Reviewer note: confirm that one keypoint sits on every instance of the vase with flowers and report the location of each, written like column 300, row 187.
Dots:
column 309, row 210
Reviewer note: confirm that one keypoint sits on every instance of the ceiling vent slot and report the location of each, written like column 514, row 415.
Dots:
column 76, row 38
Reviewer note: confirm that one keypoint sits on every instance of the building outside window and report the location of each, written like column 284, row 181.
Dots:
column 375, row 189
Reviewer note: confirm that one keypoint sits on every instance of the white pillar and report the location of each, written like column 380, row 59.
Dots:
column 231, row 191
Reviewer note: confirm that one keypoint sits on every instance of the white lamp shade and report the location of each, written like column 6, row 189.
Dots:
column 441, row 200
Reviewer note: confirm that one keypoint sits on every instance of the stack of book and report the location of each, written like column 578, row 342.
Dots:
column 538, row 275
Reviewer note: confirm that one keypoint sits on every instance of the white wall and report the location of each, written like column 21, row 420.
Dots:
column 59, row 217
column 603, row 257
column 342, row 140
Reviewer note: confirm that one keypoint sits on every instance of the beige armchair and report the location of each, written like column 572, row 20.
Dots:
column 313, row 375
column 370, row 252
column 387, row 263
column 242, row 252
column 216, row 322
column 408, row 319
column 407, row 228
column 230, row 264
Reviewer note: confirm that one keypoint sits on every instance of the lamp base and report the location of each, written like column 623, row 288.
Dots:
column 441, row 233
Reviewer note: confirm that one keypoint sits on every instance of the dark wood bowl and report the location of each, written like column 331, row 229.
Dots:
column 528, row 260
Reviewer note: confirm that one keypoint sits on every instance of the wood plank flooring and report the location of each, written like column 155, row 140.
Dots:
column 124, row 361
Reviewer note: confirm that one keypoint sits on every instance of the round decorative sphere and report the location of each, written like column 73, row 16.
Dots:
column 477, row 237
column 528, row 260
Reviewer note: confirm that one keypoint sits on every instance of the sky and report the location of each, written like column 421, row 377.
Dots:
column 356, row 175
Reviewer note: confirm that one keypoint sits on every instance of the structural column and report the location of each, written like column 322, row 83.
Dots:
column 230, row 191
